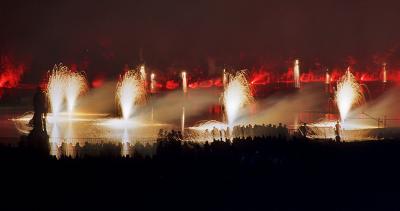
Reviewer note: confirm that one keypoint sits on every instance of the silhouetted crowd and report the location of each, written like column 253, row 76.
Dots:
column 171, row 144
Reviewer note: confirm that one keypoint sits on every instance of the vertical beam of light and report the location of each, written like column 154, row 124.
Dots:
column 183, row 121
column 384, row 78
column 224, row 78
column 296, row 73
column 184, row 82
column 152, row 83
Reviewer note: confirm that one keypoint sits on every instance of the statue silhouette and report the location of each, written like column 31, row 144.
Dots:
column 40, row 111
column 38, row 140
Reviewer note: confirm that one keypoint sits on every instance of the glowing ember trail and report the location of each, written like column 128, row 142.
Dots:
column 56, row 87
column 236, row 95
column 296, row 74
column 75, row 85
column 348, row 93
column 184, row 82
column 130, row 92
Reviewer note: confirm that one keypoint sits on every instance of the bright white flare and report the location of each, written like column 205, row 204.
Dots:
column 130, row 92
column 296, row 74
column 348, row 93
column 237, row 94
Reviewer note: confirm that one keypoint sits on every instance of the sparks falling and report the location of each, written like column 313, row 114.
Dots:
column 348, row 94
column 236, row 95
column 130, row 92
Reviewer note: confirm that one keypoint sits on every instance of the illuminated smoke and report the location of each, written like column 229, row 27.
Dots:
column 296, row 74
column 184, row 82
column 130, row 92
column 56, row 87
column 348, row 93
column 236, row 95
column 75, row 85
column 384, row 78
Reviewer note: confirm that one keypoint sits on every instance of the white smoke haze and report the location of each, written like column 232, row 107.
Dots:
column 284, row 108
column 99, row 100
column 384, row 105
column 168, row 108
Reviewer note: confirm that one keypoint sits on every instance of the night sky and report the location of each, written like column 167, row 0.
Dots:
column 106, row 35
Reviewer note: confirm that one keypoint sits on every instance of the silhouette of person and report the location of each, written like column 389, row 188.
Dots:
column 303, row 130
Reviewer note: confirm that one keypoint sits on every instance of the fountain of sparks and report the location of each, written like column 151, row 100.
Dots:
column 348, row 94
column 184, row 82
column 235, row 97
column 56, row 87
column 75, row 85
column 130, row 93
column 64, row 84
column 296, row 73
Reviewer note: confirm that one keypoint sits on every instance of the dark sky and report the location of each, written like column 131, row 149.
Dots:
column 110, row 33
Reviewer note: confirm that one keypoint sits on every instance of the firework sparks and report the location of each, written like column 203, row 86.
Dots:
column 75, row 85
column 236, row 95
column 56, row 87
column 130, row 92
column 348, row 94
column 64, row 84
